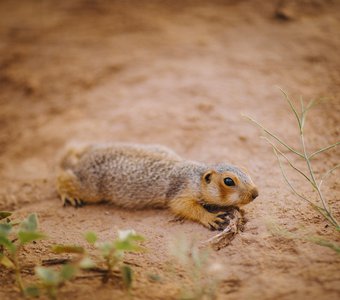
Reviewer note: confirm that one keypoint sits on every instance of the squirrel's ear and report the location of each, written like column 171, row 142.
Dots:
column 207, row 176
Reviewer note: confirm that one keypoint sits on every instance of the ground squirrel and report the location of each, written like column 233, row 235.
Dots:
column 139, row 176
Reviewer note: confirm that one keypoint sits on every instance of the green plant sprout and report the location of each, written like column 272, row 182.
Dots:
column 12, row 243
column 202, row 275
column 112, row 253
column 50, row 280
column 309, row 176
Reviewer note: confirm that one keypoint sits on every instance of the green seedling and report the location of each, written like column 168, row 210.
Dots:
column 12, row 243
column 51, row 280
column 112, row 253
column 320, row 203
column 202, row 276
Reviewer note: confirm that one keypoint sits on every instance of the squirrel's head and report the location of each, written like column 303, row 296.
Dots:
column 227, row 185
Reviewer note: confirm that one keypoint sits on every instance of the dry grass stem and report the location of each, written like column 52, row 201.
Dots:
column 224, row 238
column 324, row 209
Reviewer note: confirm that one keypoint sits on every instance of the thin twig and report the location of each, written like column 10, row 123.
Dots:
column 292, row 107
column 326, row 174
column 325, row 210
column 55, row 261
column 132, row 264
column 98, row 270
column 274, row 136
column 323, row 149
column 302, row 105
column 311, row 172
column 288, row 182
column 88, row 276
column 289, row 162
column 224, row 238
column 311, row 104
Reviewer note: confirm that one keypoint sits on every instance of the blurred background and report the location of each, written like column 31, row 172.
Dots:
column 179, row 73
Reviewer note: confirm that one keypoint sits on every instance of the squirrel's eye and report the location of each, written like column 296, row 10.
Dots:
column 229, row 182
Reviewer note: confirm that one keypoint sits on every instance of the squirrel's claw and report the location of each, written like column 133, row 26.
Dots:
column 216, row 221
column 223, row 216
column 72, row 201
column 79, row 203
column 64, row 200
column 214, row 226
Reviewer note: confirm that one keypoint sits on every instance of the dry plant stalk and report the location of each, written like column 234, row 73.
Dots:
column 224, row 238
column 324, row 209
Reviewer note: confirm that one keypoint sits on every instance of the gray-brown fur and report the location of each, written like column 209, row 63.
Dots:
column 134, row 176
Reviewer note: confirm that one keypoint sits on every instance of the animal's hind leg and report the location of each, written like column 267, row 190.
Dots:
column 69, row 188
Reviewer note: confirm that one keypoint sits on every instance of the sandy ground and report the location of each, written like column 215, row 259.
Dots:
column 178, row 73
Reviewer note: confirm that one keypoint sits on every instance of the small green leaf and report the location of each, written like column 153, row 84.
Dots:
column 127, row 246
column 5, row 261
column 32, row 291
column 67, row 249
column 30, row 236
column 67, row 272
column 91, row 237
column 4, row 241
column 30, row 223
column 5, row 229
column 126, row 241
column 87, row 263
column 127, row 275
column 47, row 276
column 4, row 214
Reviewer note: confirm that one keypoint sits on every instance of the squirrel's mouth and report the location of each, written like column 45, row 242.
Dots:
column 254, row 193
column 248, row 196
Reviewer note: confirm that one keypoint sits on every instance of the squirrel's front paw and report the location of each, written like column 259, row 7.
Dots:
column 215, row 221
column 65, row 199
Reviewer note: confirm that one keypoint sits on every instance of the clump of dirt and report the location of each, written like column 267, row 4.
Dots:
column 179, row 74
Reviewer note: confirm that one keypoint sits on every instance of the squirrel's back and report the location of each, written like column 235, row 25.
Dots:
column 129, row 175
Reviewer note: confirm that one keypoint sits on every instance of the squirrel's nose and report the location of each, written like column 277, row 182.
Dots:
column 254, row 193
